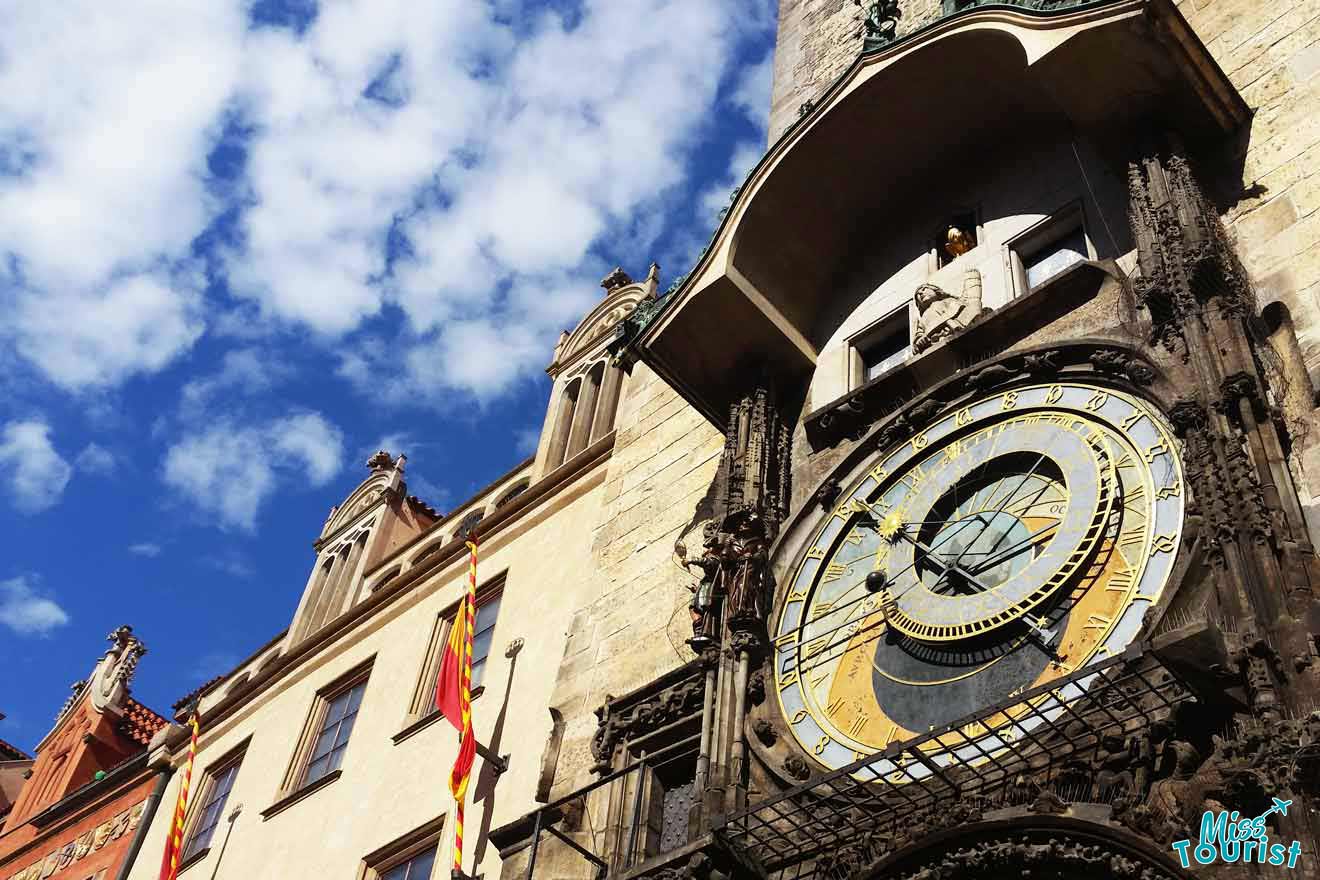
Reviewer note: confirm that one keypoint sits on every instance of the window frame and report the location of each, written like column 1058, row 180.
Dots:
column 295, row 778
column 871, row 333
column 388, row 857
column 1042, row 234
column 421, row 708
column 231, row 760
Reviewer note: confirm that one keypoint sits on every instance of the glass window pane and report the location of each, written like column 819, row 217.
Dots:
column 345, row 728
column 355, row 697
column 317, row 769
column 1053, row 259
column 324, row 743
column 335, row 710
column 420, row 866
column 478, row 670
column 481, row 645
column 336, row 757
column 486, row 614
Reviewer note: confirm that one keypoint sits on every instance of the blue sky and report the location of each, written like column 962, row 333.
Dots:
column 245, row 244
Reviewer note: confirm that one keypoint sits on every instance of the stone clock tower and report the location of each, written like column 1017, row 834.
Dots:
column 1009, row 565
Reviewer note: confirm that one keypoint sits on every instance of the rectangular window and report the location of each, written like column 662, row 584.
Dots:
column 1048, row 248
column 482, row 635
column 411, row 857
column 332, row 738
column 488, row 608
column 324, row 740
column 215, row 790
column 416, row 868
column 881, row 347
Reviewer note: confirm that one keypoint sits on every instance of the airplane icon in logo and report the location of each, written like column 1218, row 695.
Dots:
column 1280, row 807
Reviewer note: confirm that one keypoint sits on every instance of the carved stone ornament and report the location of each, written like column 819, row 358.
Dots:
column 110, row 679
column 616, row 279
column 618, row 725
column 1186, row 262
column 797, row 768
column 383, row 461
column 1016, row 856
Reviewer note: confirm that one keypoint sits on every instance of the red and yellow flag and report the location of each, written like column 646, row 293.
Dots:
column 453, row 697
column 169, row 865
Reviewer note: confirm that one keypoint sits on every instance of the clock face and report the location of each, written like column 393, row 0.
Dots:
column 1012, row 542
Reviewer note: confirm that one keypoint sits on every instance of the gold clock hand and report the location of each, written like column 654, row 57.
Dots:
column 1009, row 552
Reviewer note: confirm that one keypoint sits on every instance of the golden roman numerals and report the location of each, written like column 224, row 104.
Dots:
column 1121, row 580
column 858, row 724
column 816, row 553
column 920, row 442
column 1097, row 621
column 1055, row 395
column 1132, row 418
column 1009, row 400
column 853, row 537
column 851, row 506
column 834, row 571
column 797, row 596
column 820, row 609
column 1155, row 451
column 963, row 418
column 787, row 679
column 1164, row 544
column 799, row 716
column 815, row 647
column 1169, row 491
column 1098, row 400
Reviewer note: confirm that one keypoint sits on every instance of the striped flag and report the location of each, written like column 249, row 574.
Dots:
column 453, row 697
column 169, row 866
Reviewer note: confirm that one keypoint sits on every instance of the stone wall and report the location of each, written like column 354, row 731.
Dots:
column 664, row 461
column 817, row 41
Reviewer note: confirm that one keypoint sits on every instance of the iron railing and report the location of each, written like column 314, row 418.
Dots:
column 1050, row 724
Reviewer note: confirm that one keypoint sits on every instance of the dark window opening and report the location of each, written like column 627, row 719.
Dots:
column 886, row 348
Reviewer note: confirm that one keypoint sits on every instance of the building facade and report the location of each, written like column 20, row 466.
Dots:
column 86, row 799
column 954, row 516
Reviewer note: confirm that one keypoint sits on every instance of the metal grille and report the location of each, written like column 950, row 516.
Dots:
column 786, row 834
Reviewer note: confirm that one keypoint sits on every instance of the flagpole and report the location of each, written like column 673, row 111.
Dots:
column 465, row 699
column 169, row 868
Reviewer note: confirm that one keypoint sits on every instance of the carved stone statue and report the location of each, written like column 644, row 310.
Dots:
column 744, row 570
column 1113, row 768
column 703, row 593
column 941, row 315
column 109, row 681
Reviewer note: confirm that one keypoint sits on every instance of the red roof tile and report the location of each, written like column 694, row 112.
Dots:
column 140, row 723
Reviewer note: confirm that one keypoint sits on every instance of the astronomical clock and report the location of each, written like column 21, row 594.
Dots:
column 1017, row 539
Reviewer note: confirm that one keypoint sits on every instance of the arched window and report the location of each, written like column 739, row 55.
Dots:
column 580, row 435
column 608, row 402
column 468, row 524
column 513, row 493
column 563, row 425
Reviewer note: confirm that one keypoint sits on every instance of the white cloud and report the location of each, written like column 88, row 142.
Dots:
column 751, row 94
column 230, row 470
column 27, row 613
column 510, row 150
column 95, row 459
column 37, row 474
column 146, row 548
column 106, row 116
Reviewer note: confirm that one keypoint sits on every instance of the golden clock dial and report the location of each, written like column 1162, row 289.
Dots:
column 1011, row 542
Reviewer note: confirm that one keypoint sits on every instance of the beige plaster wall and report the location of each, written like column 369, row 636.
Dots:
column 386, row 789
